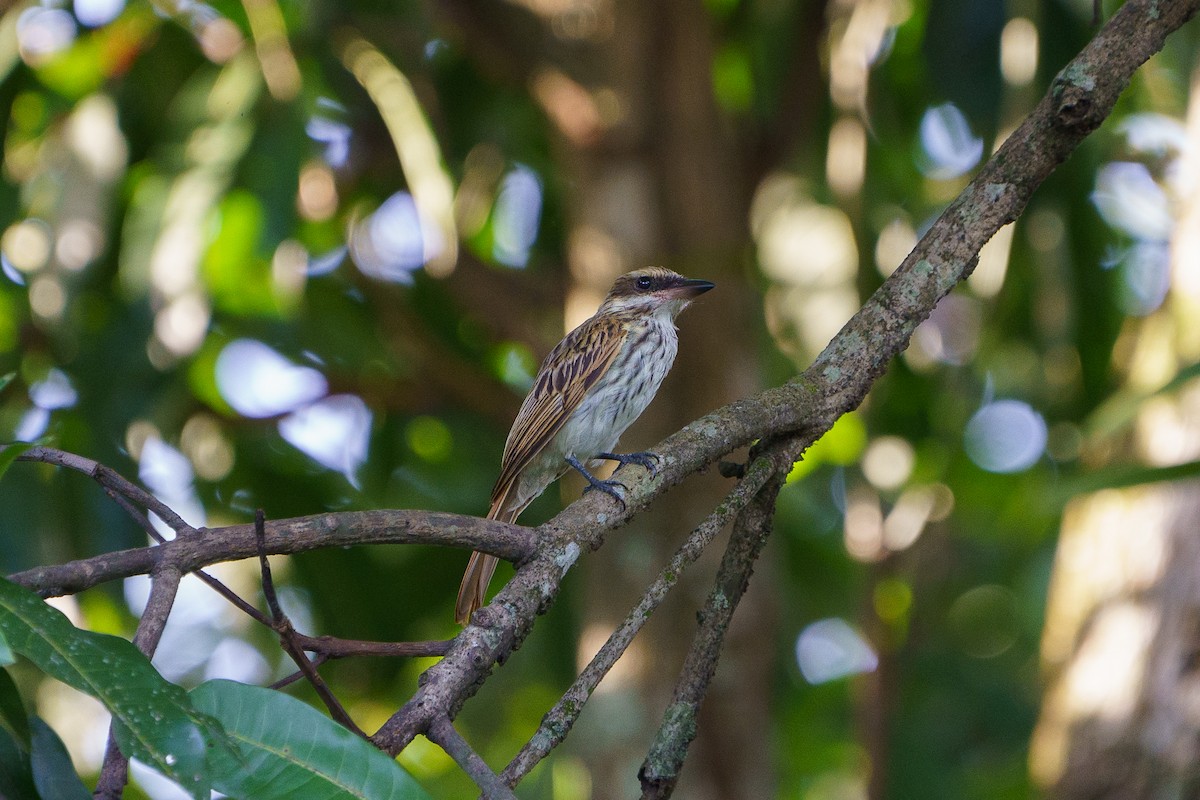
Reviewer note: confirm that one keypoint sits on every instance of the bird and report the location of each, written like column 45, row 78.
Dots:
column 587, row 391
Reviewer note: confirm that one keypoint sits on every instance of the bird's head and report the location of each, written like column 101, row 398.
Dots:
column 653, row 290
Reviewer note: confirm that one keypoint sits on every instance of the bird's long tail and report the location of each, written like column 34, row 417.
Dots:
column 472, row 592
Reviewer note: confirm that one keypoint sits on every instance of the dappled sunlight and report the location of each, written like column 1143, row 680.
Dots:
column 808, row 250
column 1120, row 611
column 417, row 148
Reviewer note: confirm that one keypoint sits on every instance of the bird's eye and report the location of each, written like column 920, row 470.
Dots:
column 643, row 284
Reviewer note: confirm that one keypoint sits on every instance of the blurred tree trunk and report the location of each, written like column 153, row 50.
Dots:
column 1121, row 647
column 666, row 188
column 655, row 173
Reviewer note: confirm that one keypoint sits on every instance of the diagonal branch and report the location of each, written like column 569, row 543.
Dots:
column 111, row 480
column 442, row 732
column 1078, row 100
column 751, row 530
column 559, row 720
column 164, row 586
column 287, row 636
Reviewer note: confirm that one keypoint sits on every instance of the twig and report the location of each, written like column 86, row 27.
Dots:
column 559, row 720
column 209, row 546
column 751, row 530
column 164, row 586
column 110, row 479
column 331, row 647
column 213, row 583
column 283, row 627
column 442, row 732
column 328, row 648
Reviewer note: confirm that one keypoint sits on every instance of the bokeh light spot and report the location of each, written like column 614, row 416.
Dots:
column 948, row 147
column 892, row 599
column 830, row 649
column 984, row 620
column 517, row 216
column 26, row 245
column 395, row 240
column 258, row 382
column 1005, row 436
column 334, row 432
column 94, row 13
column 1130, row 201
column 888, row 462
column 429, row 438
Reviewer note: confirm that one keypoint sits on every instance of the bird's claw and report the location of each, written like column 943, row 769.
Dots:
column 614, row 489
column 644, row 459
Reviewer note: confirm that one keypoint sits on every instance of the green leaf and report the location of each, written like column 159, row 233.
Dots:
column 12, row 710
column 10, row 453
column 6, row 653
column 53, row 773
column 5, row 380
column 294, row 752
column 16, row 778
column 155, row 721
column 1121, row 477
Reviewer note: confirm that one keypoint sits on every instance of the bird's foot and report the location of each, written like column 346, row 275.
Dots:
column 614, row 489
column 644, row 459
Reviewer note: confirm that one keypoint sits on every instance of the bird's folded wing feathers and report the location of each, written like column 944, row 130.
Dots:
column 571, row 369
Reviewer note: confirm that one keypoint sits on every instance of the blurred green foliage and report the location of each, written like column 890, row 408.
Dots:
column 169, row 190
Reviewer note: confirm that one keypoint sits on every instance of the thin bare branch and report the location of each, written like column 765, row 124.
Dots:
column 110, row 479
column 751, row 530
column 559, row 720
column 331, row 647
column 333, row 529
column 287, row 635
column 442, row 732
column 164, row 586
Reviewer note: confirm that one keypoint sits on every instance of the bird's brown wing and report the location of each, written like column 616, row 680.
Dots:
column 571, row 369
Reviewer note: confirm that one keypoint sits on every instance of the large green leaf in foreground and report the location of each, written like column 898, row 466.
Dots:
column 155, row 720
column 294, row 752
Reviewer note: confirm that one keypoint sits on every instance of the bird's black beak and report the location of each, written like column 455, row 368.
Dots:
column 691, row 287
